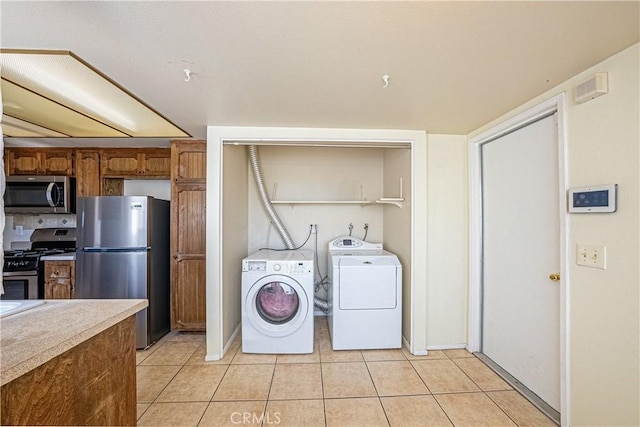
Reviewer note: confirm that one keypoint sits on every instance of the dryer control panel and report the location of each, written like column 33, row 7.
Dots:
column 342, row 243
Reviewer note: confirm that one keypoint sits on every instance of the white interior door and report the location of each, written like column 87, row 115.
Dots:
column 521, row 248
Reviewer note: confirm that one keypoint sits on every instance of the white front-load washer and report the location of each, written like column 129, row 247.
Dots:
column 277, row 302
column 365, row 296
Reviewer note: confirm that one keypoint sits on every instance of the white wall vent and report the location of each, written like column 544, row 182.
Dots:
column 592, row 88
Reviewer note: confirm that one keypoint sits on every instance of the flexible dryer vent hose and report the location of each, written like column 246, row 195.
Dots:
column 266, row 203
column 321, row 304
column 273, row 215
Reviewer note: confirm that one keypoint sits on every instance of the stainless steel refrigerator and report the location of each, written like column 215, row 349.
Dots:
column 123, row 252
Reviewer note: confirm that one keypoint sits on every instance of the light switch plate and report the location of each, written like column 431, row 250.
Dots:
column 594, row 256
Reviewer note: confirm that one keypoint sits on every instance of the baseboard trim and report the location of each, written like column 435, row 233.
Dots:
column 209, row 358
column 447, row 347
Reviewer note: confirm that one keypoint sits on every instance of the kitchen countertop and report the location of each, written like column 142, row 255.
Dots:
column 35, row 336
column 62, row 257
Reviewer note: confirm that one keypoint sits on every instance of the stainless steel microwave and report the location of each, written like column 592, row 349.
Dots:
column 40, row 194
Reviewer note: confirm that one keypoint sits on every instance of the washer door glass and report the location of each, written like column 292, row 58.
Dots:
column 277, row 302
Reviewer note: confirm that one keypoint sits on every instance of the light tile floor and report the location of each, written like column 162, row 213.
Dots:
column 327, row 388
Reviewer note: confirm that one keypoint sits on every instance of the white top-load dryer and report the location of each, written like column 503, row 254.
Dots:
column 365, row 295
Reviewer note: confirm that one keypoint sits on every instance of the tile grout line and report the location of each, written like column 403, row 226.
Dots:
column 512, row 382
column 500, row 407
column 480, row 388
column 420, row 376
column 324, row 400
column 433, row 396
column 214, row 391
column 266, row 403
column 442, row 409
column 228, row 365
column 467, row 375
column 158, row 345
column 438, row 402
column 366, row 364
column 376, row 389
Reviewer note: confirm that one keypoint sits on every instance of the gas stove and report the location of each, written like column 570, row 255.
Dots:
column 44, row 241
column 22, row 276
column 25, row 260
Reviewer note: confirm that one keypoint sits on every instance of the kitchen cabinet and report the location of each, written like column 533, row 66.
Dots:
column 70, row 363
column 59, row 279
column 112, row 187
column 101, row 172
column 136, row 163
column 188, row 263
column 39, row 161
column 88, row 181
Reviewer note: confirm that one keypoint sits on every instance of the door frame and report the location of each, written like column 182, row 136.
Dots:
column 555, row 104
column 218, row 136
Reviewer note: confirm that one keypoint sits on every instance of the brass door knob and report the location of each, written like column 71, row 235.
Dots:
column 555, row 277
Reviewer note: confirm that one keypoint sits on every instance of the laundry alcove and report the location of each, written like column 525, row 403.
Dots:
column 329, row 177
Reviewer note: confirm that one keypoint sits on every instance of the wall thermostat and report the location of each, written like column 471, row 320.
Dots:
column 598, row 198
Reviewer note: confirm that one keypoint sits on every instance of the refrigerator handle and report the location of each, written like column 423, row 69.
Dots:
column 97, row 249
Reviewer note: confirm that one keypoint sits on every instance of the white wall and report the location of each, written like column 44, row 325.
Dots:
column 447, row 239
column 158, row 188
column 317, row 173
column 398, row 227
column 234, row 236
column 604, row 305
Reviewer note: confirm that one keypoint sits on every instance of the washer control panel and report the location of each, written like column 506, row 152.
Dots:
column 289, row 267
column 254, row 265
column 278, row 267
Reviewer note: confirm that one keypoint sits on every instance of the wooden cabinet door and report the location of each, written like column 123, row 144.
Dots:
column 188, row 257
column 189, row 303
column 156, row 163
column 57, row 162
column 190, row 161
column 88, row 173
column 59, row 279
column 136, row 162
column 112, row 187
column 57, row 289
column 39, row 161
column 188, row 218
column 119, row 162
column 22, row 162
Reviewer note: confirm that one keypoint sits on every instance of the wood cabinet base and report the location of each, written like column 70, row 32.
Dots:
column 92, row 384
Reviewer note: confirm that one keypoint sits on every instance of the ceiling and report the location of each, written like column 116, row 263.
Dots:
column 452, row 66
